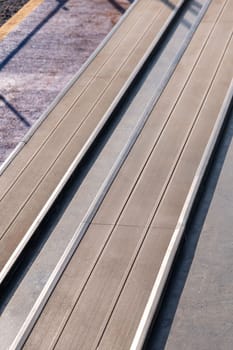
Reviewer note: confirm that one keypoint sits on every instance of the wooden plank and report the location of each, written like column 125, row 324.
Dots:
column 170, row 208
column 109, row 271
column 75, row 275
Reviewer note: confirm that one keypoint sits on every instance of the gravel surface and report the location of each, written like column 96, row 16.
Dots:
column 8, row 8
column 40, row 56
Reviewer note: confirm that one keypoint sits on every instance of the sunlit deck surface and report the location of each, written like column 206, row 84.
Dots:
column 101, row 299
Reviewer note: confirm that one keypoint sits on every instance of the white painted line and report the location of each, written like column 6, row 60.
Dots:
column 158, row 287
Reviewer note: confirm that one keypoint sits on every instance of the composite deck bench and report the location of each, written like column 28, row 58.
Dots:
column 101, row 297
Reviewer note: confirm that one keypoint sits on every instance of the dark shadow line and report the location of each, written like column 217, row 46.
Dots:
column 195, row 10
column 117, row 6
column 186, row 23
column 192, row 9
column 197, row 4
column 169, row 4
column 60, row 5
column 12, row 108
column 163, row 321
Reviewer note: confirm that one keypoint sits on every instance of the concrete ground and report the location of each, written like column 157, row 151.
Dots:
column 40, row 56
